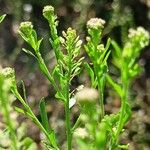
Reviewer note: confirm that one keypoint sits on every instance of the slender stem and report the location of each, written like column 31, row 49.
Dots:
column 120, row 125
column 101, row 98
column 102, row 103
column 68, row 123
column 124, row 97
column 47, row 73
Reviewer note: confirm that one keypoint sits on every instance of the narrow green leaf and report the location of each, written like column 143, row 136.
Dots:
column 91, row 73
column 108, row 44
column 29, row 52
column 2, row 17
column 28, row 144
column 107, row 55
column 24, row 91
column 116, row 47
column 43, row 115
column 19, row 110
column 114, row 85
column 39, row 43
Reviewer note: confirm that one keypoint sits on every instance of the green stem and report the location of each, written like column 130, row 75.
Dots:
column 46, row 72
column 124, row 98
column 101, row 99
column 101, row 85
column 68, row 123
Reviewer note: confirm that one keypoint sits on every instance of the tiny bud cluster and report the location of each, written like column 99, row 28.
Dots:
column 101, row 47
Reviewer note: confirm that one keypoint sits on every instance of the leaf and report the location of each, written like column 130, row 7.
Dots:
column 39, row 43
column 114, row 85
column 91, row 73
column 106, row 57
column 58, row 95
column 28, row 144
column 127, row 114
column 108, row 44
column 57, row 73
column 24, row 37
column 117, row 48
column 33, row 42
column 24, row 91
column 43, row 115
column 29, row 52
column 2, row 17
column 52, row 145
column 19, row 110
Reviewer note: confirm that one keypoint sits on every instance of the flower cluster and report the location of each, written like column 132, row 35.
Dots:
column 26, row 28
column 7, row 72
column 95, row 23
column 141, row 35
column 48, row 12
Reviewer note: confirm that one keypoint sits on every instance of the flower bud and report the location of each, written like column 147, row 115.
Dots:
column 79, row 43
column 101, row 47
column 88, row 39
column 71, row 33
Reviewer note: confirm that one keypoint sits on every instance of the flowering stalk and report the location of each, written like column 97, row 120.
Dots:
column 125, row 60
column 67, row 67
column 98, row 55
column 5, row 83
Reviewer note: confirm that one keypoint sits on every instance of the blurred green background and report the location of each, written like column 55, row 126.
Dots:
column 120, row 15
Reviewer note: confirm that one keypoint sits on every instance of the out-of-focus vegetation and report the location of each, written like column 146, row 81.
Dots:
column 120, row 15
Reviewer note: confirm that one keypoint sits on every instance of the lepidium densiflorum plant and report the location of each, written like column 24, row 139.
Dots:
column 125, row 59
column 67, row 50
column 12, row 136
column 98, row 54
column 98, row 126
